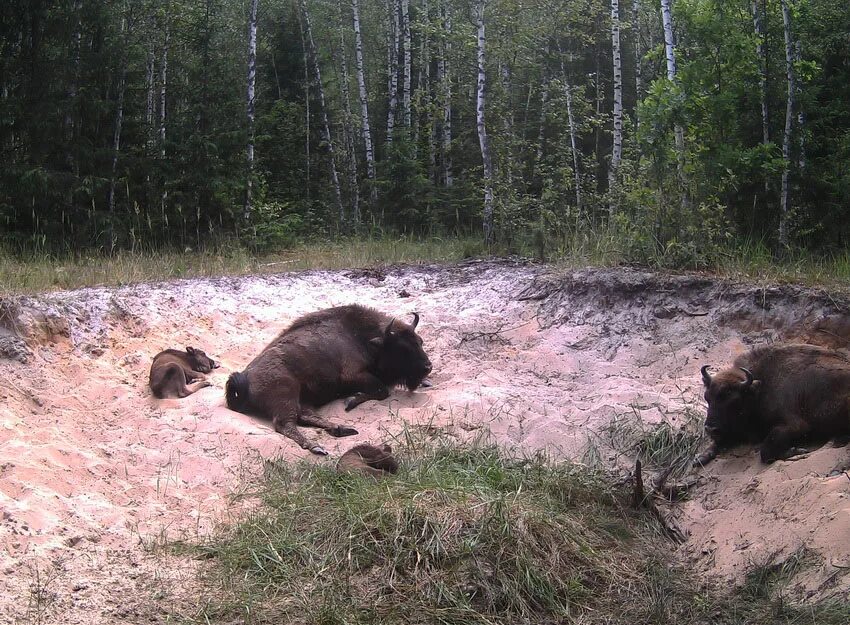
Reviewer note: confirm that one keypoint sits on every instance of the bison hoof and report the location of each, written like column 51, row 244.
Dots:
column 426, row 383
column 342, row 430
column 352, row 402
column 318, row 450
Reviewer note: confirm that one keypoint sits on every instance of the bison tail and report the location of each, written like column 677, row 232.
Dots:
column 236, row 391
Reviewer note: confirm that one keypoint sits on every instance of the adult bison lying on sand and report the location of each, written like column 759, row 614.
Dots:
column 778, row 396
column 347, row 351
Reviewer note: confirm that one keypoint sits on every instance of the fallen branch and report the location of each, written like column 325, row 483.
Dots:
column 640, row 499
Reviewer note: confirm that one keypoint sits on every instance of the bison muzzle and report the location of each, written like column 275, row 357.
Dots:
column 347, row 351
column 778, row 397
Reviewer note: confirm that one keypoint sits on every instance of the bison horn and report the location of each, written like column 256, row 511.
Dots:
column 389, row 329
column 749, row 375
column 415, row 320
column 706, row 377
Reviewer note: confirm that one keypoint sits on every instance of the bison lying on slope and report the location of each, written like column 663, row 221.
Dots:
column 778, row 396
column 347, row 351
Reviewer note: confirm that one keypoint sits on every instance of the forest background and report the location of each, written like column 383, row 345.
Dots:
column 682, row 131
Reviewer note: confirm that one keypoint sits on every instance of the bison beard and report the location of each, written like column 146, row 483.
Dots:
column 778, row 397
column 347, row 351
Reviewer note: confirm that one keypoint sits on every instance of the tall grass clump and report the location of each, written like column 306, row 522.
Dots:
column 464, row 534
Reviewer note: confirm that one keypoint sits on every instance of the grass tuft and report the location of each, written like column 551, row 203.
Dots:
column 463, row 534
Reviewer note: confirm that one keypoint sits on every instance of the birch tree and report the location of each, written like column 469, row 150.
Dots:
column 638, row 49
column 119, row 120
column 364, row 102
column 348, row 132
column 163, row 92
column 758, row 26
column 617, row 148
column 784, row 208
column 251, row 104
column 326, row 127
column 444, row 68
column 678, row 131
column 405, row 24
column 392, row 85
column 483, row 140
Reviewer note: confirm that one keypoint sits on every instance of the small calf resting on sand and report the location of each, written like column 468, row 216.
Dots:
column 369, row 460
column 179, row 374
column 778, row 396
column 348, row 351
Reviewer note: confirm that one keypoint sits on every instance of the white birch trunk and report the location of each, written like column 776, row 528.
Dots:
column 784, row 208
column 573, row 142
column 119, row 120
column 544, row 98
column 364, row 102
column 251, row 103
column 73, row 85
column 306, row 60
column 163, row 85
column 405, row 24
column 617, row 148
column 483, row 140
column 678, row 131
column 448, row 178
column 393, row 73
column 348, row 132
column 326, row 127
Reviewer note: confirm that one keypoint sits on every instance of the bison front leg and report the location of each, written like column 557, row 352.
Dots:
column 365, row 387
column 188, row 389
column 778, row 445
column 314, row 420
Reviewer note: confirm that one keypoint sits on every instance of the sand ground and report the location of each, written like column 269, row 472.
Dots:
column 95, row 472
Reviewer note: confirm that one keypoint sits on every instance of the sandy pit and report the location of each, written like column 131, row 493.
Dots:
column 94, row 471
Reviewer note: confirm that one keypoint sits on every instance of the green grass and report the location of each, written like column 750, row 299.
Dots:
column 463, row 535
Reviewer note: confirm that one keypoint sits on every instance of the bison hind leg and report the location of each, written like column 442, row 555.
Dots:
column 188, row 389
column 841, row 440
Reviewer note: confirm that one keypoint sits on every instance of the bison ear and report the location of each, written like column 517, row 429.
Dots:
column 190, row 350
column 386, row 448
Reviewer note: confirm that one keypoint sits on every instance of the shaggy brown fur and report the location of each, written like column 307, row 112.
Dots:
column 779, row 396
column 179, row 374
column 369, row 460
column 347, row 351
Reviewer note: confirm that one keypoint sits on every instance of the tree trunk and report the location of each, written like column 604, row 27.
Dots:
column 326, row 127
column 251, row 103
column 119, row 120
column 405, row 24
column 801, row 118
column 348, row 126
column 73, row 86
column 306, row 60
column 446, row 82
column 544, row 97
column 760, row 50
column 393, row 72
column 568, row 90
column 483, row 140
column 638, row 51
column 364, row 103
column 617, row 148
column 163, row 84
column 678, row 131
column 789, row 122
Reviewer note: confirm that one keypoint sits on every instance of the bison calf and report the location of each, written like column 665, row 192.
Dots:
column 174, row 373
column 369, row 460
column 348, row 351
column 779, row 397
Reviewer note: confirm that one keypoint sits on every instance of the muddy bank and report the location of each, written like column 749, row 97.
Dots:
column 94, row 469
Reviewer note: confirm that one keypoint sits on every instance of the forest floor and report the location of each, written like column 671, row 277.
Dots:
column 96, row 475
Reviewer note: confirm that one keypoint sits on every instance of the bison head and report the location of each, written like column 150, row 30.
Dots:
column 731, row 395
column 199, row 361
column 400, row 357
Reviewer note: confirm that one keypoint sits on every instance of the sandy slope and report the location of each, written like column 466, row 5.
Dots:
column 94, row 470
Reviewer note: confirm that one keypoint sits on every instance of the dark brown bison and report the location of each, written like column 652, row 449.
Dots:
column 778, row 397
column 179, row 374
column 347, row 351
column 369, row 460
